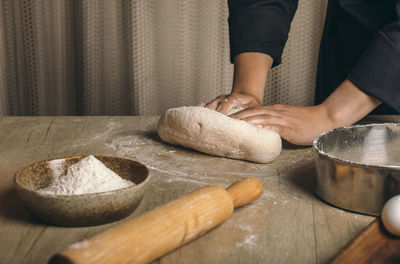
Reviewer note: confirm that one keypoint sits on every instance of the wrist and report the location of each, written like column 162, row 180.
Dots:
column 250, row 74
column 328, row 116
column 347, row 105
column 239, row 92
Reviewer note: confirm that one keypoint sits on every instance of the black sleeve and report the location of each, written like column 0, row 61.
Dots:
column 378, row 70
column 260, row 26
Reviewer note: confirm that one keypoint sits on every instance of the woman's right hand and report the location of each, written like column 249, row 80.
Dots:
column 230, row 103
column 250, row 74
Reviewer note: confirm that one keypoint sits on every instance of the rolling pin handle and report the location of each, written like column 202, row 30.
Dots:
column 245, row 191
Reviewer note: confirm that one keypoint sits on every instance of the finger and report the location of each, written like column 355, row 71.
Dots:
column 265, row 120
column 255, row 111
column 233, row 104
column 226, row 105
column 213, row 105
column 288, row 134
column 248, row 112
column 221, row 97
column 203, row 104
column 281, row 130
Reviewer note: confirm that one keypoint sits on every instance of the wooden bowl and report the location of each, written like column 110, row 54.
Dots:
column 84, row 209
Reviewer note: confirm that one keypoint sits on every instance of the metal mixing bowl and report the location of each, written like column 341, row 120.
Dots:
column 358, row 167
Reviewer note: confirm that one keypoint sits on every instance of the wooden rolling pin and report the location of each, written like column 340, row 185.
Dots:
column 163, row 229
column 373, row 246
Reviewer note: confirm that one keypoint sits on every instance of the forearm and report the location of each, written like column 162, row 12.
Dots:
column 302, row 124
column 250, row 74
column 348, row 104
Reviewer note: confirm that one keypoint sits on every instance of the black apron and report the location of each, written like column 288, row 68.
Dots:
column 360, row 42
column 345, row 39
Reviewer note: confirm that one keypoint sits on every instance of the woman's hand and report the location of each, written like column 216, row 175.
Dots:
column 250, row 74
column 299, row 125
column 229, row 103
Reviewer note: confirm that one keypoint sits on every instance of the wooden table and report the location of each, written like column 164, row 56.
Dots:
column 288, row 224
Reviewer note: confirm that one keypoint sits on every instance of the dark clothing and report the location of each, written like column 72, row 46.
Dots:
column 361, row 42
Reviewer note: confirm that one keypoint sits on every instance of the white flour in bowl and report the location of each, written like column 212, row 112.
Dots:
column 89, row 175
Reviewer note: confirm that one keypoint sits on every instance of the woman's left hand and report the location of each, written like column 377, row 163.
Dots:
column 299, row 125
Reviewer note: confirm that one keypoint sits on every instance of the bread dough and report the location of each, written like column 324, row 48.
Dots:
column 214, row 133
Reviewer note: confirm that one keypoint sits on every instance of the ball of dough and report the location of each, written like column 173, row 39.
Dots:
column 391, row 215
column 214, row 133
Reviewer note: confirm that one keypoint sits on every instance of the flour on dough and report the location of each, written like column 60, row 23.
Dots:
column 214, row 133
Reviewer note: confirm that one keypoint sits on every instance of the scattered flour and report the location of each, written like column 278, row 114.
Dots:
column 89, row 175
column 249, row 240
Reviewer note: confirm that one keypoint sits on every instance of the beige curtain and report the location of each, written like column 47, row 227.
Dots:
column 131, row 57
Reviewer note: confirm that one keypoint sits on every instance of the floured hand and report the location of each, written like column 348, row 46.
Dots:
column 302, row 124
column 299, row 125
column 231, row 103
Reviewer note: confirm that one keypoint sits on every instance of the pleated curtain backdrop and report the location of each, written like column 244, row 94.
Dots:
column 135, row 57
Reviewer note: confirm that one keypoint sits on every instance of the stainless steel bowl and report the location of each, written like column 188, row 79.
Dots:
column 358, row 167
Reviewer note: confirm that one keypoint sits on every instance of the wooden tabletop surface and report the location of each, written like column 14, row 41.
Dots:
column 288, row 224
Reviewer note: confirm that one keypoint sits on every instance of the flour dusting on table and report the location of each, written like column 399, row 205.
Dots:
column 89, row 175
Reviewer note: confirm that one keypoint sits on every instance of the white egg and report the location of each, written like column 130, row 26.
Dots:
column 391, row 215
